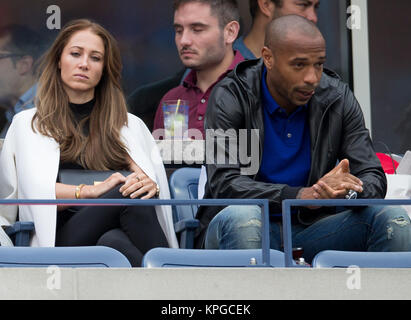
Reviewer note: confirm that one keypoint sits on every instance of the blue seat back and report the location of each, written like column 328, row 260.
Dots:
column 184, row 185
column 70, row 257
column 196, row 258
column 20, row 233
column 344, row 259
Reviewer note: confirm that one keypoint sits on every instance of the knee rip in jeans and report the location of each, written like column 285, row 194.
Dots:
column 399, row 221
column 250, row 223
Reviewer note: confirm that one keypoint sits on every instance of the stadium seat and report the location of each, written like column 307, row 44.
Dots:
column 69, row 257
column 198, row 258
column 20, row 233
column 184, row 185
column 344, row 259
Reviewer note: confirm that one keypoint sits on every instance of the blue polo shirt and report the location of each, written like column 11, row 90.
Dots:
column 286, row 156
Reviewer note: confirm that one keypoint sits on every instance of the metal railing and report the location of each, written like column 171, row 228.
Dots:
column 262, row 203
column 287, row 204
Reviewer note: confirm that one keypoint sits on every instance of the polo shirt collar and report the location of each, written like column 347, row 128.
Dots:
column 268, row 100
column 191, row 78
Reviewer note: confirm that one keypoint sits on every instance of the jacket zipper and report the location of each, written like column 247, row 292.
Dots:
column 317, row 138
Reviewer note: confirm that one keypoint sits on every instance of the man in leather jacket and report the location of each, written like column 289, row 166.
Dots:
column 307, row 121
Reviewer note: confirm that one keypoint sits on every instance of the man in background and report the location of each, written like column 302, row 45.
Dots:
column 20, row 50
column 263, row 12
column 205, row 31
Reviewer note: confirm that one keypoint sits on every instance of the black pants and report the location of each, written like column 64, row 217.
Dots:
column 132, row 230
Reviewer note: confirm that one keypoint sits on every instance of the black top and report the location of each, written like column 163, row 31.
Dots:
column 80, row 111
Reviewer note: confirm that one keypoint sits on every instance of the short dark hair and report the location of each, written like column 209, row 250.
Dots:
column 277, row 30
column 254, row 6
column 23, row 40
column 225, row 10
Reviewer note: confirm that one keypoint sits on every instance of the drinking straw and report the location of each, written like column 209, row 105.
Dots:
column 178, row 105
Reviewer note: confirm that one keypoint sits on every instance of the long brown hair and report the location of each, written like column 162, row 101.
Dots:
column 102, row 149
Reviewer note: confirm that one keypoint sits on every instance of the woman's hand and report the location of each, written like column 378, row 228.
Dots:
column 138, row 184
column 95, row 191
column 65, row 191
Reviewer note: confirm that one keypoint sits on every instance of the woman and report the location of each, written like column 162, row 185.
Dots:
column 81, row 122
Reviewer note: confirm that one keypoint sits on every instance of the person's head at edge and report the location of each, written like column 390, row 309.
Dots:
column 278, row 8
column 21, row 49
column 294, row 55
column 83, row 63
column 205, row 31
column 264, row 11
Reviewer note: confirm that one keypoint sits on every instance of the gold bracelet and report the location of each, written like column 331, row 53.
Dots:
column 157, row 191
column 78, row 190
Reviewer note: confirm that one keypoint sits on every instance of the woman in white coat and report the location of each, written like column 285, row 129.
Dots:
column 81, row 122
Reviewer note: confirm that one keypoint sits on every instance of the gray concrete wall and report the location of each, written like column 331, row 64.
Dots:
column 205, row 284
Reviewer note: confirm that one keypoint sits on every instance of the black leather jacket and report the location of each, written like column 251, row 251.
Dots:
column 337, row 131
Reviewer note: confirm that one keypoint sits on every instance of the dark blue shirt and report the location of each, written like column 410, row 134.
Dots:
column 286, row 156
column 245, row 52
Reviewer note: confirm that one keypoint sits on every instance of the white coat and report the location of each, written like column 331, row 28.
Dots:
column 29, row 165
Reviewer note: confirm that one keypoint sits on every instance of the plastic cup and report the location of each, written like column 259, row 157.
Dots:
column 175, row 119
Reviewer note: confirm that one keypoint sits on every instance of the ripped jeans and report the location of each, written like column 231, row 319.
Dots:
column 369, row 229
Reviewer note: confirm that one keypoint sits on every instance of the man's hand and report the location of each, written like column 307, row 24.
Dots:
column 337, row 183
column 334, row 185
